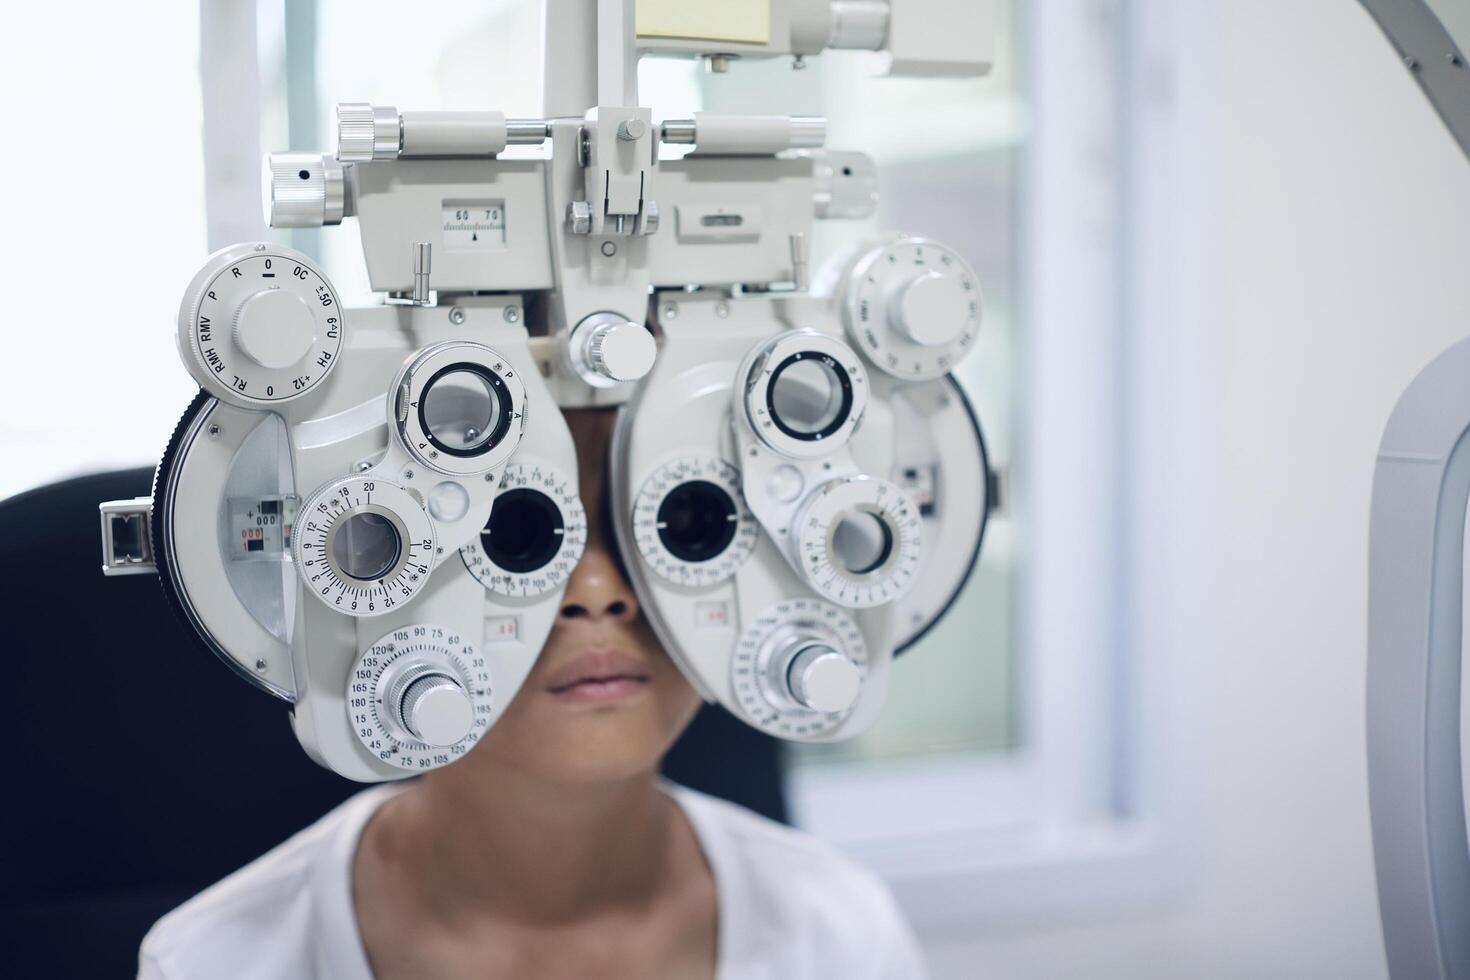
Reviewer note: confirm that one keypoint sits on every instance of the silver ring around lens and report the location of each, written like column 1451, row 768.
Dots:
column 357, row 578
column 805, row 393
column 859, row 541
column 459, row 408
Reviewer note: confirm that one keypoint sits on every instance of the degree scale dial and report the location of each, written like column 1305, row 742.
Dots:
column 913, row 306
column 535, row 535
column 420, row 696
column 363, row 545
column 798, row 669
column 259, row 325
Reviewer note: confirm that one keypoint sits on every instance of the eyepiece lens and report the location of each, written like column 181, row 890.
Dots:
column 461, row 411
column 524, row 532
column 697, row 521
column 861, row 543
column 366, row 547
column 810, row 396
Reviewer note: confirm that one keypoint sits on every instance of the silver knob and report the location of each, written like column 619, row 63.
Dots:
column 303, row 190
column 367, row 132
column 822, row 679
column 608, row 349
column 435, row 710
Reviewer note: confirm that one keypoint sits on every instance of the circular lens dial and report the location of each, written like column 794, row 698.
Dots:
column 691, row 523
column 363, row 546
column 859, row 541
column 460, row 408
column 913, row 306
column 805, row 393
column 419, row 697
column 260, row 325
column 535, row 535
column 799, row 668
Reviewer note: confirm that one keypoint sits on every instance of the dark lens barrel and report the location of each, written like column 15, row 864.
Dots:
column 697, row 521
column 524, row 532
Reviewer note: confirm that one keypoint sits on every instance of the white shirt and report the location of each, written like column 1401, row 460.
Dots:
column 789, row 906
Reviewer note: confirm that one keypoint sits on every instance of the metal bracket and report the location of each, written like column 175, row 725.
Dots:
column 1430, row 54
column 127, row 536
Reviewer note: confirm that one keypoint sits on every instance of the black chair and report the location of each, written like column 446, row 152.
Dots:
column 141, row 769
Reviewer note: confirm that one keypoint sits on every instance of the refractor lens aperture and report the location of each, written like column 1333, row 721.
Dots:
column 697, row 521
column 810, row 396
column 862, row 543
column 366, row 547
column 524, row 532
column 465, row 410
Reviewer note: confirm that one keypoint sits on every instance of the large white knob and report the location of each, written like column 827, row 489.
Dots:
column 274, row 328
column 822, row 679
column 435, row 710
column 608, row 349
column 931, row 309
column 911, row 305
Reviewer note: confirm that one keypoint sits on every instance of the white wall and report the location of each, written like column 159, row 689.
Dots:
column 1338, row 271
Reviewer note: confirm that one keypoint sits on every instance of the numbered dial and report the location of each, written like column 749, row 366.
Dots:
column 859, row 541
column 420, row 697
column 535, row 535
column 804, row 393
column 460, row 406
column 913, row 306
column 799, row 668
column 691, row 523
column 364, row 547
column 259, row 325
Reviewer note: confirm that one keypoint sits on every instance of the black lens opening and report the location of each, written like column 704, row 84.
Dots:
column 697, row 521
column 524, row 532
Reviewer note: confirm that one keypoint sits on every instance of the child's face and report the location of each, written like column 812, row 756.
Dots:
column 603, row 701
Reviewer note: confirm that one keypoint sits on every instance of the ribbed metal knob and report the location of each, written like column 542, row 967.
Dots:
column 822, row 679
column 435, row 710
column 303, row 190
column 608, row 349
column 366, row 132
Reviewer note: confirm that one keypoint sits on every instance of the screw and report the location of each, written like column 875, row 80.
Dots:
column 632, row 130
column 1454, row 58
column 214, row 430
column 438, row 551
column 364, row 466
column 408, row 474
column 1411, row 62
column 456, row 315
column 722, row 309
column 670, row 311
column 260, row 665
column 489, row 477
column 609, row 249
column 512, row 314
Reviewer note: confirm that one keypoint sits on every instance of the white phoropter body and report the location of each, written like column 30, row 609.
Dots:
column 373, row 512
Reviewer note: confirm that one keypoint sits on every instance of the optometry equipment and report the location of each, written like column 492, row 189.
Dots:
column 372, row 512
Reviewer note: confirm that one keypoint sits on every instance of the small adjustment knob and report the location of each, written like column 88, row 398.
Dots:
column 822, row 679
column 303, row 190
column 435, row 710
column 274, row 328
column 609, row 349
column 368, row 132
column 931, row 309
